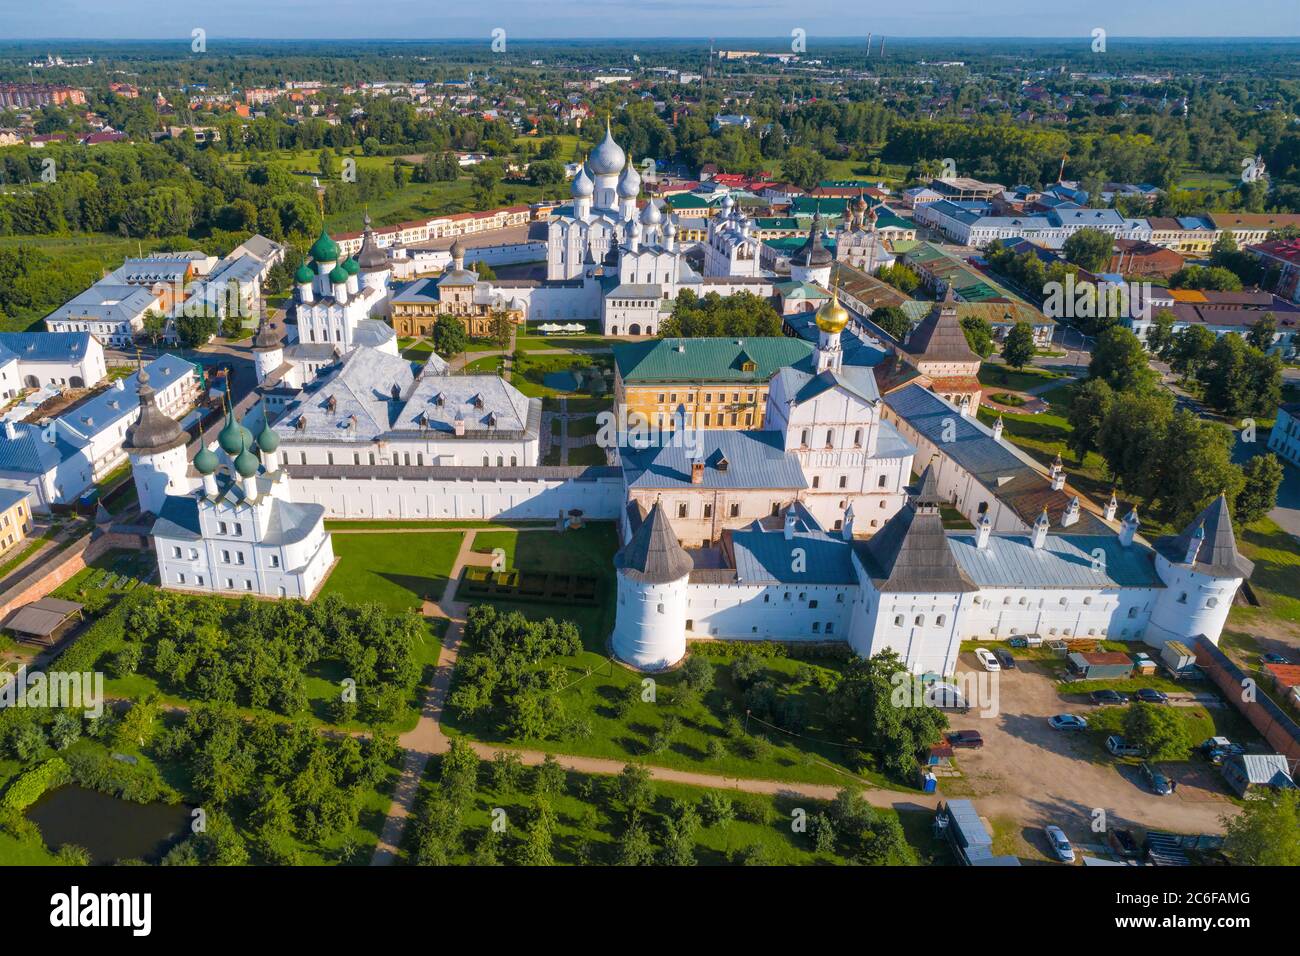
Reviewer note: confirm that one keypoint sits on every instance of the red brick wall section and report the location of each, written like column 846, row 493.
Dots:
column 1273, row 725
column 68, row 562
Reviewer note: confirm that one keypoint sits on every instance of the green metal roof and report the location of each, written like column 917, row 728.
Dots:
column 707, row 359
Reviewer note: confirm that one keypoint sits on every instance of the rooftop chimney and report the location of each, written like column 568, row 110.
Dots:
column 1129, row 529
column 1112, row 506
column 1071, row 514
column 983, row 528
column 697, row 472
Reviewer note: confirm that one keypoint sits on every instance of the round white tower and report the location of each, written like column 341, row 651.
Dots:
column 156, row 447
column 1201, row 569
column 650, row 618
column 268, row 350
column 375, row 271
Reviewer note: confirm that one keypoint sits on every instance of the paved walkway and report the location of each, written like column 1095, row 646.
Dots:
column 427, row 737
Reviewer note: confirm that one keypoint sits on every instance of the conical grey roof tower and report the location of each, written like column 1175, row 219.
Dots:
column 653, row 556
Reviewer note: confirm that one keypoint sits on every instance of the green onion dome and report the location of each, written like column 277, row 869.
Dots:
column 205, row 462
column 304, row 273
column 268, row 440
column 351, row 266
column 338, row 275
column 246, row 464
column 325, row 249
column 234, row 438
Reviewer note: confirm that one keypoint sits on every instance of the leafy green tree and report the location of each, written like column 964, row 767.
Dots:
column 535, row 850
column 193, row 331
column 1194, row 464
column 804, row 167
column 716, row 809
column 549, row 777
column 1239, row 379
column 1266, row 832
column 900, row 276
column 449, row 336
column 1018, row 349
column 1262, row 476
column 1131, row 436
column 680, row 829
column 1089, row 406
column 1119, row 359
column 1263, row 332
column 892, row 320
column 155, row 326
column 635, row 788
column 1089, row 249
column 1159, row 731
column 1189, row 349
column 634, row 847
column 979, row 335
column 1160, row 334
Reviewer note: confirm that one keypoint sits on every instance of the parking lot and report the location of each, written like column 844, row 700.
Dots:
column 1034, row 775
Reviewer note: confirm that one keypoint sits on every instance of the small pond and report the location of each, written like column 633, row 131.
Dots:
column 109, row 828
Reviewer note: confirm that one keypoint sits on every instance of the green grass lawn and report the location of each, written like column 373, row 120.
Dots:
column 587, row 455
column 490, row 365
column 1276, row 581
column 994, row 375
column 398, row 572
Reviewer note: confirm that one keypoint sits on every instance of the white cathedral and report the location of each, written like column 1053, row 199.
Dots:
column 238, row 529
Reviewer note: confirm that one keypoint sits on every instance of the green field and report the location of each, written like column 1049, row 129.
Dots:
column 399, row 572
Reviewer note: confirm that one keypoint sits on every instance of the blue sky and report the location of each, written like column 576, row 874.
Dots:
column 432, row 19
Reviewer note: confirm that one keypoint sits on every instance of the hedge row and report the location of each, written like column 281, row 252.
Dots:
column 28, row 787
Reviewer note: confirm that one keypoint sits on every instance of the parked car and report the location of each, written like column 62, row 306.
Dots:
column 966, row 738
column 1060, row 844
column 1067, row 722
column 1157, row 781
column 1120, row 748
column 1271, row 658
column 1005, row 659
column 1105, row 697
column 986, row 658
column 1149, row 695
column 1125, row 844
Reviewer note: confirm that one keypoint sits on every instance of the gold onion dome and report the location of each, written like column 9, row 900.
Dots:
column 832, row 317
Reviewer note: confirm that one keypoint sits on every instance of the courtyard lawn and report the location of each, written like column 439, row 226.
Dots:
column 546, row 376
column 711, row 737
column 587, row 455
column 401, row 573
column 491, row 365
column 995, row 375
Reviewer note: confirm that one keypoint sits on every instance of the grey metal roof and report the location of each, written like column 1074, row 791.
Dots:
column 354, row 401
column 767, row 557
column 69, row 347
column 110, row 406
column 106, row 301
column 1263, row 769
column 456, row 472
column 372, row 333
column 29, row 453
column 1216, row 546
column 653, row 555
column 178, row 518
column 484, row 403
column 805, row 386
column 732, row 459
column 1064, row 561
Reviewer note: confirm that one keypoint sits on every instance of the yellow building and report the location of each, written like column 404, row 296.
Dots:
column 457, row 292
column 714, row 382
column 15, row 519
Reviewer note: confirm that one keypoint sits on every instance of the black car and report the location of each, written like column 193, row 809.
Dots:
column 1157, row 781
column 966, row 738
column 1106, row 697
column 1005, row 659
column 1149, row 695
column 1272, row 658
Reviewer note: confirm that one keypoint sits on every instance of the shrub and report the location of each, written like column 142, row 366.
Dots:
column 28, row 787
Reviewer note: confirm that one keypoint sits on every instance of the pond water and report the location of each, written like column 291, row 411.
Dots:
column 109, row 828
